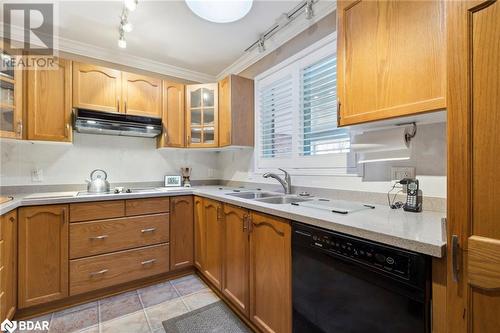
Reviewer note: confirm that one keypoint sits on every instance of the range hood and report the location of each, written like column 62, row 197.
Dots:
column 95, row 122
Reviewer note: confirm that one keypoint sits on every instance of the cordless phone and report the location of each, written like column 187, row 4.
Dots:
column 413, row 195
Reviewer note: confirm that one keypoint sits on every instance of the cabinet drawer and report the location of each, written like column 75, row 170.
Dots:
column 147, row 206
column 98, row 210
column 106, row 270
column 98, row 237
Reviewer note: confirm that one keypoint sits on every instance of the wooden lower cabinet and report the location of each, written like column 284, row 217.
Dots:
column 199, row 234
column 235, row 258
column 181, row 232
column 43, row 254
column 8, row 265
column 270, row 273
column 212, row 216
column 93, row 273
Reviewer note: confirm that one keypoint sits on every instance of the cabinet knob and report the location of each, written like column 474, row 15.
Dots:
column 12, row 219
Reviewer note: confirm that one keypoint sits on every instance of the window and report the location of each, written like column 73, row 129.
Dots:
column 296, row 105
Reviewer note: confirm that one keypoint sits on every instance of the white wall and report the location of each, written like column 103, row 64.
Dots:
column 428, row 156
column 126, row 159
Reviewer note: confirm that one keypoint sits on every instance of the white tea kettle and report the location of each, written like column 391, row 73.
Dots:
column 98, row 182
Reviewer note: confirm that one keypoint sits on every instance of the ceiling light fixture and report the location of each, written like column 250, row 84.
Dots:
column 262, row 44
column 306, row 7
column 220, row 11
column 124, row 23
column 309, row 10
column 131, row 4
column 122, row 43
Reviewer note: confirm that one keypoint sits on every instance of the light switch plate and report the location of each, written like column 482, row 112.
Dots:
column 398, row 173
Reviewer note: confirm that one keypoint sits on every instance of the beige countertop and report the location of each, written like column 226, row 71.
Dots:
column 420, row 232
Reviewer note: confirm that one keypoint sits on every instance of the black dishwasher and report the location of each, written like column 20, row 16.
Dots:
column 344, row 284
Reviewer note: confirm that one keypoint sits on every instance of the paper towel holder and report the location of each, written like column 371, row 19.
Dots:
column 409, row 132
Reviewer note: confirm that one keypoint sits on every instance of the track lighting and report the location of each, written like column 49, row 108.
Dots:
column 131, row 5
column 122, row 43
column 309, row 10
column 262, row 45
column 124, row 23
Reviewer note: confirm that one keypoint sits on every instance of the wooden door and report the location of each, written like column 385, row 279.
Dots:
column 181, row 232
column 8, row 224
column 199, row 234
column 235, row 249
column 97, row 88
column 225, row 112
column 43, row 254
column 270, row 273
column 391, row 59
column 11, row 99
column 141, row 95
column 173, row 116
column 202, row 112
column 473, row 286
column 49, row 103
column 212, row 214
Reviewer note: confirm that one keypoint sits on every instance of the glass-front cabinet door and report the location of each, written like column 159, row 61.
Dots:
column 202, row 115
column 11, row 125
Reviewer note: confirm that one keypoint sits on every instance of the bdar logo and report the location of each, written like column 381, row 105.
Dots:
column 8, row 326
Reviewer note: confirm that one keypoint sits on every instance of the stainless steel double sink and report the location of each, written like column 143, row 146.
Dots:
column 269, row 197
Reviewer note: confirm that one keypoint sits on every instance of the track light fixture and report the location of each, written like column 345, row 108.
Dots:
column 131, row 5
column 262, row 44
column 125, row 25
column 122, row 43
column 306, row 7
column 309, row 10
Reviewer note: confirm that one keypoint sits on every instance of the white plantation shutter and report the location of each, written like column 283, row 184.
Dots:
column 318, row 132
column 296, row 115
column 276, row 101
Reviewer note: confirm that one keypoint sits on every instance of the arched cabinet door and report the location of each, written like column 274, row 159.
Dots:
column 181, row 232
column 43, row 254
column 236, row 247
column 473, row 285
column 212, row 214
column 270, row 273
column 97, row 88
column 141, row 95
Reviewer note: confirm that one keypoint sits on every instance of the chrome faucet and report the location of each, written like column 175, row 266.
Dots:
column 286, row 183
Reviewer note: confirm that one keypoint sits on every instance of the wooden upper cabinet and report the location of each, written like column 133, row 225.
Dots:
column 212, row 211
column 391, row 59
column 173, row 116
column 11, row 100
column 97, row 88
column 199, row 235
column 202, row 112
column 49, row 103
column 270, row 273
column 8, row 265
column 236, row 249
column 181, row 232
column 43, row 254
column 141, row 95
column 236, row 111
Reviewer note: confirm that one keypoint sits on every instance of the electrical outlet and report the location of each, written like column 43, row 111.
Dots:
column 398, row 173
column 37, row 175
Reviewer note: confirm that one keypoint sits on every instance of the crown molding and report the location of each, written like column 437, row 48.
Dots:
column 300, row 24
column 114, row 56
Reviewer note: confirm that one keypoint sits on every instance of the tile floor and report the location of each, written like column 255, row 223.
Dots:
column 140, row 311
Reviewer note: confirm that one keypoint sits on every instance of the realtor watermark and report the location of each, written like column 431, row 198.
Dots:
column 28, row 35
column 24, row 325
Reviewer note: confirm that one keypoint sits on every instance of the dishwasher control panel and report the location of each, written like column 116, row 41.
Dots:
column 381, row 257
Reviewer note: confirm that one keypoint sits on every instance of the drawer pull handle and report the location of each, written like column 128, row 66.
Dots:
column 147, row 262
column 99, row 237
column 98, row 273
column 148, row 230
